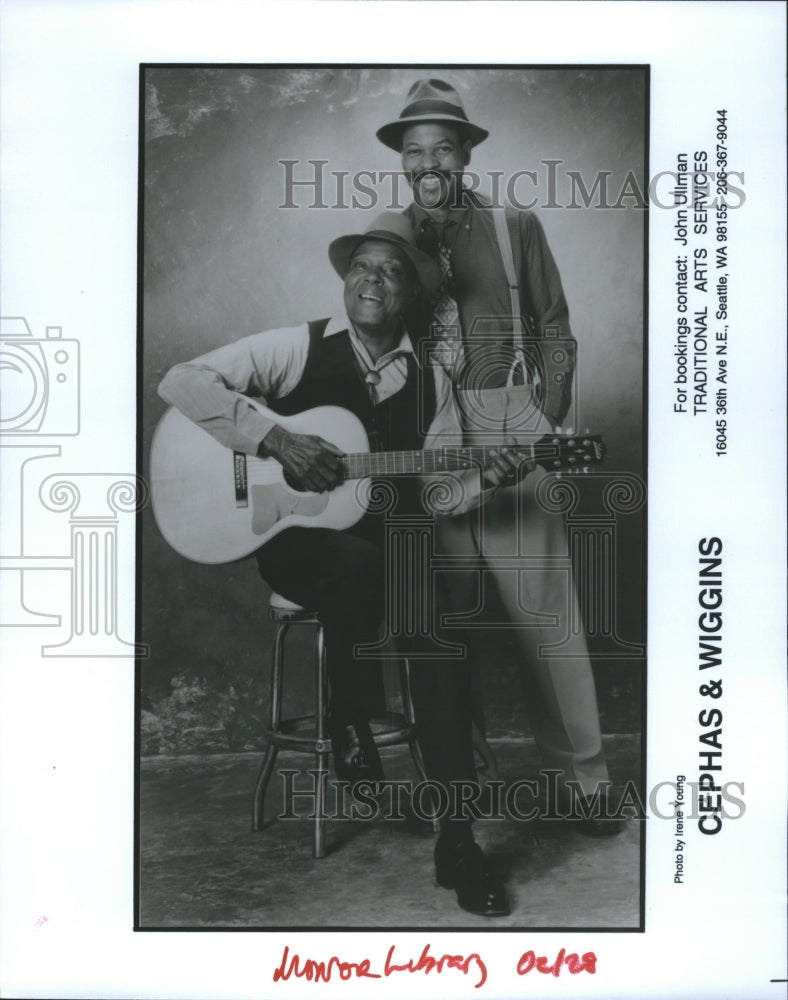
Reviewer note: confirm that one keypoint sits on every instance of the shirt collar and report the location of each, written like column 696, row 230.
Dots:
column 341, row 323
column 460, row 216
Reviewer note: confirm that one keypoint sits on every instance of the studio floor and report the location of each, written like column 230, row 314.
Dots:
column 201, row 866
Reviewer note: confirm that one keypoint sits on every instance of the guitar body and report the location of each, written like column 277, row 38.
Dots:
column 213, row 505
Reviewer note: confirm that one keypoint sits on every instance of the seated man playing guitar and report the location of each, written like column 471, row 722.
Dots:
column 364, row 362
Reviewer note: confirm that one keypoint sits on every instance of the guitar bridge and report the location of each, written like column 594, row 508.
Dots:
column 241, row 483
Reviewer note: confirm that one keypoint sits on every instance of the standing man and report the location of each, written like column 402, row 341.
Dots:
column 489, row 341
column 361, row 360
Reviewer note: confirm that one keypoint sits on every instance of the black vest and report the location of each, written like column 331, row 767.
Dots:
column 331, row 378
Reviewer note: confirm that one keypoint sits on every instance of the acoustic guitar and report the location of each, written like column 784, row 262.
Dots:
column 215, row 505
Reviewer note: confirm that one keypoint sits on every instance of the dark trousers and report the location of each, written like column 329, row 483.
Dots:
column 341, row 575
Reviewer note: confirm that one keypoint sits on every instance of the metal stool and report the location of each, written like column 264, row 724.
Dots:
column 309, row 734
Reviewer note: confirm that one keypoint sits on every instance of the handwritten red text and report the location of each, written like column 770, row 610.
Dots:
column 427, row 963
column 323, row 971
column 572, row 962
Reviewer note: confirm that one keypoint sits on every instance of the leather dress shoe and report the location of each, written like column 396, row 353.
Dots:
column 461, row 866
column 356, row 757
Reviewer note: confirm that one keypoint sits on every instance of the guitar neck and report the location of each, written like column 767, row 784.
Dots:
column 550, row 451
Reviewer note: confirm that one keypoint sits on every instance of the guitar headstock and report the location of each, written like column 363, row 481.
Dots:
column 573, row 453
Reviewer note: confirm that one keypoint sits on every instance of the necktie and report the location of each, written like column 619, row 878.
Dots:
column 445, row 326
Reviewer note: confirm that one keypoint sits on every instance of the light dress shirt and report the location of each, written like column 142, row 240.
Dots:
column 212, row 391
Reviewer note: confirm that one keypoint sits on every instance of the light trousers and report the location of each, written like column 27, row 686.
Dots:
column 518, row 543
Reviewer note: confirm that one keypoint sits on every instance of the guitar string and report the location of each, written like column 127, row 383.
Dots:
column 362, row 464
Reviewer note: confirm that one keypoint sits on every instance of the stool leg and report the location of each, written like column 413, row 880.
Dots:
column 484, row 751
column 413, row 743
column 267, row 767
column 321, row 741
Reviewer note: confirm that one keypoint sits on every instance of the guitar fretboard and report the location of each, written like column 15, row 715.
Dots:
column 555, row 452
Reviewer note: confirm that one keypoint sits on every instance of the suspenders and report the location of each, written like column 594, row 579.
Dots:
column 507, row 255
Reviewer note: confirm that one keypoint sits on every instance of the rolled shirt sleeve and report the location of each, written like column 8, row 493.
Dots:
column 541, row 279
column 214, row 390
column 543, row 292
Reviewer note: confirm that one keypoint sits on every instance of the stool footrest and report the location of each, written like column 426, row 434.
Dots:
column 389, row 729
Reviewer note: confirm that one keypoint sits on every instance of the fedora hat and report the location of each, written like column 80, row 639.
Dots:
column 430, row 101
column 395, row 229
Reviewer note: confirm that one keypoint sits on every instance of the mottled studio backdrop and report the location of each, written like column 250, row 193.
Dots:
column 222, row 260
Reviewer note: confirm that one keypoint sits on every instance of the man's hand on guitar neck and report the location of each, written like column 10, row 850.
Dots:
column 507, row 466
column 310, row 463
